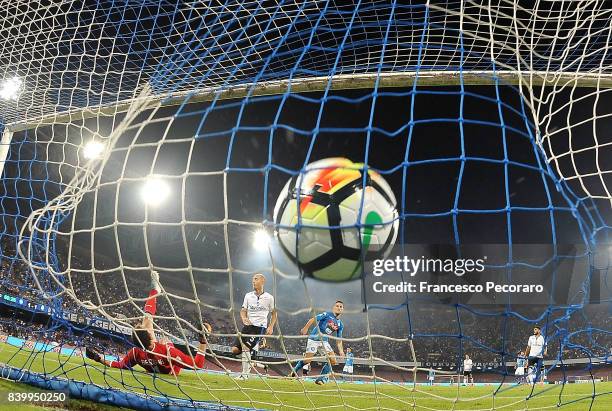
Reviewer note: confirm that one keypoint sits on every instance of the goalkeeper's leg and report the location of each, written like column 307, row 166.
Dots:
column 150, row 307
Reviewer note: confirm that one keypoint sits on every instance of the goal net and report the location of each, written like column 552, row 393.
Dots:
column 142, row 136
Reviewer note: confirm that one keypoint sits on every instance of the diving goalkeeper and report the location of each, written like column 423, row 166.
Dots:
column 150, row 354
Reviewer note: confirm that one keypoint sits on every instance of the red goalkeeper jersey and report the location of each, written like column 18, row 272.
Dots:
column 163, row 359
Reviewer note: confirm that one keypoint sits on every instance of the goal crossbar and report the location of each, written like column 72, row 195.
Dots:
column 321, row 83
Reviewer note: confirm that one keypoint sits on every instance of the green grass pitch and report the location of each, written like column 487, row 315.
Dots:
column 284, row 394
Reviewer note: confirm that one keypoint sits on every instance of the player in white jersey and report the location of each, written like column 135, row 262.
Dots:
column 536, row 349
column 305, row 369
column 256, row 308
column 467, row 370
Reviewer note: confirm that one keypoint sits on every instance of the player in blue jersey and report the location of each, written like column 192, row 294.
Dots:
column 521, row 364
column 325, row 324
column 431, row 376
column 348, row 364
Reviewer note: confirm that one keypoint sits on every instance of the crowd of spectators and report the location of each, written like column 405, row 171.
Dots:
column 440, row 334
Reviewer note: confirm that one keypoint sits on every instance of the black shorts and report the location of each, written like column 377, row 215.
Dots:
column 537, row 361
column 250, row 341
column 467, row 373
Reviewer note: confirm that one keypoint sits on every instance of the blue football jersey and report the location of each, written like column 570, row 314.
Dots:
column 327, row 324
column 349, row 359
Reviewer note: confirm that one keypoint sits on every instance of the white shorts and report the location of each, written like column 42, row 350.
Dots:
column 348, row 369
column 519, row 371
column 313, row 346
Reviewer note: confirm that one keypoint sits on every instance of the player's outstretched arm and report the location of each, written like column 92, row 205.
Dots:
column 273, row 319
column 309, row 324
column 203, row 340
column 339, row 343
column 94, row 355
column 244, row 316
column 340, row 348
column 126, row 362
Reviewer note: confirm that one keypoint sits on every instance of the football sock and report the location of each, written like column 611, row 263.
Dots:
column 246, row 363
column 155, row 281
column 298, row 366
column 151, row 304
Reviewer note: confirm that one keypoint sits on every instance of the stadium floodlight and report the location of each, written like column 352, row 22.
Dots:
column 10, row 88
column 93, row 150
column 261, row 240
column 154, row 191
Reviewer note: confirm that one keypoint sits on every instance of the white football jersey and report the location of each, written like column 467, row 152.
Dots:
column 467, row 365
column 536, row 346
column 258, row 308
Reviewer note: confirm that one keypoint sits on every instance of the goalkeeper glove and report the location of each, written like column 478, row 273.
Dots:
column 205, row 333
column 93, row 354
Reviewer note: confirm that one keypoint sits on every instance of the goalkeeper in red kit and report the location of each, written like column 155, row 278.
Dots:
column 150, row 354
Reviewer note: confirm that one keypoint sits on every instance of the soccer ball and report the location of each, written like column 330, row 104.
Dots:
column 317, row 213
